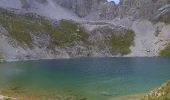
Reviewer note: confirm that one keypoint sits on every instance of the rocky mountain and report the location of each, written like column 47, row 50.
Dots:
column 101, row 9
column 49, row 29
column 81, row 7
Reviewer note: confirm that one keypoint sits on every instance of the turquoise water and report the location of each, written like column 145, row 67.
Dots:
column 87, row 78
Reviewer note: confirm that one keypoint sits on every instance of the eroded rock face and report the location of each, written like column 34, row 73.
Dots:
column 81, row 7
column 107, row 11
column 163, row 14
column 145, row 9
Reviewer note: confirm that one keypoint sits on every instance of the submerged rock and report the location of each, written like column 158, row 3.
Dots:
column 84, row 98
column 6, row 98
column 161, row 93
column 106, row 94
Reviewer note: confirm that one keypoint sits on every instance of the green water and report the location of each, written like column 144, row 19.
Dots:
column 85, row 78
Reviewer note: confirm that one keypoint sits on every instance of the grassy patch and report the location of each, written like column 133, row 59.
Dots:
column 165, row 52
column 121, row 43
column 66, row 33
column 7, row 99
column 16, row 29
column 157, row 33
column 166, row 20
column 20, row 27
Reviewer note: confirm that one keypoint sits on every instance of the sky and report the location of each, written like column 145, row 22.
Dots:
column 116, row 1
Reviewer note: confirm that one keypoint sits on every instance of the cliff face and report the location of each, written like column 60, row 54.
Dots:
column 104, row 10
column 81, row 7
column 140, row 8
column 109, row 10
column 145, row 9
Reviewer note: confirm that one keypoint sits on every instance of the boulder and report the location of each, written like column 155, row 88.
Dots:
column 6, row 98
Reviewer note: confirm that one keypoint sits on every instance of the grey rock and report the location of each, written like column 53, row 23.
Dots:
column 81, row 7
column 163, row 13
column 144, row 9
column 107, row 11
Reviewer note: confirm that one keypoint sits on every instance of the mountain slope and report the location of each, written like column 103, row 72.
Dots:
column 30, row 36
column 49, row 29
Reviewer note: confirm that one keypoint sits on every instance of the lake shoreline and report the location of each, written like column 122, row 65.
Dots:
column 123, row 97
column 46, row 59
column 87, row 78
column 129, row 97
column 2, row 97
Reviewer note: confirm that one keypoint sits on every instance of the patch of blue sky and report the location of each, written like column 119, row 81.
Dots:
column 116, row 1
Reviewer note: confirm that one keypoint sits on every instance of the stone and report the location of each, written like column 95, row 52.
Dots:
column 6, row 98
column 81, row 7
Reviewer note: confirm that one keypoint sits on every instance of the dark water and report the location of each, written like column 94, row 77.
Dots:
column 88, row 78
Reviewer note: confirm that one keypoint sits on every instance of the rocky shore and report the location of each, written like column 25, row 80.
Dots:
column 161, row 93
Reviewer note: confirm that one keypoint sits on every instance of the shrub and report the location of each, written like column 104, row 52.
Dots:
column 120, row 42
column 165, row 52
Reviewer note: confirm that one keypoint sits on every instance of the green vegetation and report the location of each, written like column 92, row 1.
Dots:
column 162, row 93
column 121, row 42
column 66, row 33
column 166, row 20
column 17, row 27
column 165, row 52
column 157, row 33
column 20, row 29
column 7, row 99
